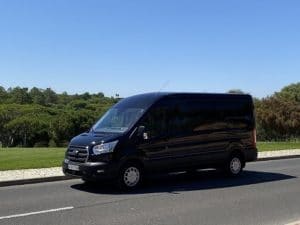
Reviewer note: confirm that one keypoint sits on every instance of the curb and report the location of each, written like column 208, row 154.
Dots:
column 35, row 180
column 278, row 157
column 61, row 178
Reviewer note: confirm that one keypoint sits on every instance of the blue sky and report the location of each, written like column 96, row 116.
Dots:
column 130, row 47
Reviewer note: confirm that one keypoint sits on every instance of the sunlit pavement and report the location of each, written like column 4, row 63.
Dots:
column 268, row 192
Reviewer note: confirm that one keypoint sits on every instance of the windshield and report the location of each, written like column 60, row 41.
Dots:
column 118, row 120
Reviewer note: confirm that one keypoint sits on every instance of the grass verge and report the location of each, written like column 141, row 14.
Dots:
column 275, row 146
column 31, row 158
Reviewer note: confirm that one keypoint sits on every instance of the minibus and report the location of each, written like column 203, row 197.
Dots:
column 165, row 132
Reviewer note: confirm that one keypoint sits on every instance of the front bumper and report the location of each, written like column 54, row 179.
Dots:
column 91, row 170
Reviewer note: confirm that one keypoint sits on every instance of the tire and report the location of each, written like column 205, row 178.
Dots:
column 234, row 165
column 130, row 176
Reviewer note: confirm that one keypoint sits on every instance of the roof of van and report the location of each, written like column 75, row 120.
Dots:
column 147, row 99
column 158, row 95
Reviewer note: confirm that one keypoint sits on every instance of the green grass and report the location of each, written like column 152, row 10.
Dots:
column 274, row 146
column 30, row 158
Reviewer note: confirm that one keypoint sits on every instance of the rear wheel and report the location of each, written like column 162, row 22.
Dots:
column 130, row 176
column 234, row 165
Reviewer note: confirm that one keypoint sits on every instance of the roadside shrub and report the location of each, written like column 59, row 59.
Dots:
column 64, row 143
column 52, row 143
column 41, row 144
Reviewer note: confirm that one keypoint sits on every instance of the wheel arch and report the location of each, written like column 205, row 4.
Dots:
column 134, row 160
column 236, row 148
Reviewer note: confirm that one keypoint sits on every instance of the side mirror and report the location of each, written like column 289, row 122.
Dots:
column 141, row 132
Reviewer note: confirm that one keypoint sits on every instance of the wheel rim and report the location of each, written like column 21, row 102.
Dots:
column 131, row 176
column 235, row 165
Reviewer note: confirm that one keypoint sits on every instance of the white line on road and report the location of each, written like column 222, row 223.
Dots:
column 35, row 213
column 294, row 223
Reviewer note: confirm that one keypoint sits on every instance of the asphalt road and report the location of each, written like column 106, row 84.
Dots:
column 266, row 193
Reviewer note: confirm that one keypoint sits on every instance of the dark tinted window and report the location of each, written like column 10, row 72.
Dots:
column 155, row 121
column 237, row 113
column 192, row 115
column 172, row 117
column 184, row 115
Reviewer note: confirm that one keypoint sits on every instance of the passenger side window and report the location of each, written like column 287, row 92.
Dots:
column 176, row 117
column 201, row 115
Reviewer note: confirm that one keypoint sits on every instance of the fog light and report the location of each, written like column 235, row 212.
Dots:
column 66, row 161
column 100, row 171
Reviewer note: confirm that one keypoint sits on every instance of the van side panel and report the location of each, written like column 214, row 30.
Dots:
column 198, row 130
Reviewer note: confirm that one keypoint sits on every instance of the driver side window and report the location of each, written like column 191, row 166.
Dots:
column 155, row 122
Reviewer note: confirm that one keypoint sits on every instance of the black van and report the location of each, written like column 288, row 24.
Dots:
column 158, row 132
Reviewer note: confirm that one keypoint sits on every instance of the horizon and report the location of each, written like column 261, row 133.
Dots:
column 135, row 47
column 161, row 91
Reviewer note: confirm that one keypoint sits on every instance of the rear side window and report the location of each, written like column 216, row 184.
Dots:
column 237, row 113
column 180, row 116
column 189, row 115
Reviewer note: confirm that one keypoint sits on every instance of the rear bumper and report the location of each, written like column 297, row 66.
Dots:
column 91, row 170
column 251, row 154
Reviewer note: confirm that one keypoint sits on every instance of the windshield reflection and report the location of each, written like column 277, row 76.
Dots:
column 118, row 120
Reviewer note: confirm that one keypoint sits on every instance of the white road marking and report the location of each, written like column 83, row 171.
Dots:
column 294, row 223
column 36, row 213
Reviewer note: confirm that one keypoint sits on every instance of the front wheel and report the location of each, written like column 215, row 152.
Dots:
column 234, row 166
column 130, row 176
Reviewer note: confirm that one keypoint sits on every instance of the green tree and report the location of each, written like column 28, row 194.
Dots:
column 63, row 99
column 20, row 96
column 42, row 117
column 37, row 96
column 7, row 113
column 28, row 129
column 290, row 93
column 278, row 119
column 78, row 104
column 50, row 96
column 61, row 128
column 3, row 95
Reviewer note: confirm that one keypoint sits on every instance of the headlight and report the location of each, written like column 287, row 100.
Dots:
column 104, row 148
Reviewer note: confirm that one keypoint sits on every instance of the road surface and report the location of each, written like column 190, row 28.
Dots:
column 266, row 193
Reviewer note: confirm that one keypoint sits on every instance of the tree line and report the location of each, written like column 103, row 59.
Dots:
column 278, row 115
column 43, row 118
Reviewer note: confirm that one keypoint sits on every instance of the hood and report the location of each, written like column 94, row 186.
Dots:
column 87, row 139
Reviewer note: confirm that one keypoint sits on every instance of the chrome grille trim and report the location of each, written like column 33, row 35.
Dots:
column 78, row 154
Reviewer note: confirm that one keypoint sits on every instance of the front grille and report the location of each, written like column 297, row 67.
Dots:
column 77, row 153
